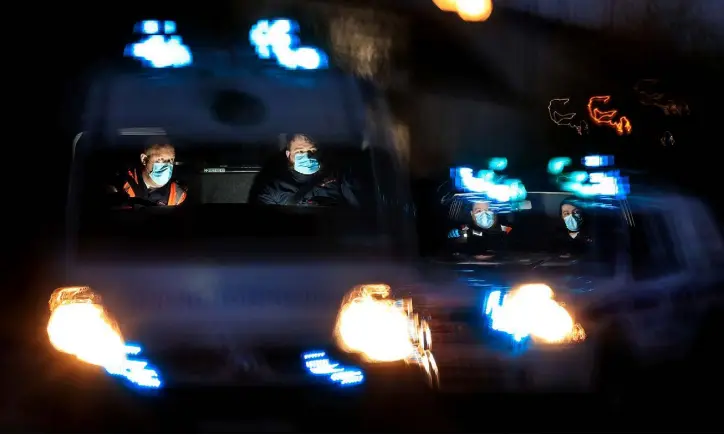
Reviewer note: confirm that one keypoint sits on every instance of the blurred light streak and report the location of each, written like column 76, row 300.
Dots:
column 494, row 187
column 597, row 161
column 278, row 39
column 667, row 139
column 567, row 118
column 446, row 5
column 531, row 310
column 595, row 184
column 371, row 323
column 474, row 10
column 600, row 117
column 557, row 164
column 648, row 96
column 159, row 51
column 319, row 364
column 468, row 10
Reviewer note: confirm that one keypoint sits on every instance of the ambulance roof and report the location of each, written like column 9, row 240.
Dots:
column 252, row 105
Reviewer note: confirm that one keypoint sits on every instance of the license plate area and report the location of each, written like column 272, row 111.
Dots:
column 228, row 365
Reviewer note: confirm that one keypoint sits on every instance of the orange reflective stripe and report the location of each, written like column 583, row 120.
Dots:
column 176, row 194
column 127, row 188
column 133, row 175
column 172, row 194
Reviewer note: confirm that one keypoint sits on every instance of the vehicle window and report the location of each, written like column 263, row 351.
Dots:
column 218, row 180
column 653, row 250
column 538, row 237
column 250, row 154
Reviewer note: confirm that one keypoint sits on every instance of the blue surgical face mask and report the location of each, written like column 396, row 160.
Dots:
column 484, row 219
column 161, row 173
column 571, row 223
column 305, row 165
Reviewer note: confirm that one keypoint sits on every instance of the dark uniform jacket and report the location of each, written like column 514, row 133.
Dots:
column 579, row 245
column 289, row 187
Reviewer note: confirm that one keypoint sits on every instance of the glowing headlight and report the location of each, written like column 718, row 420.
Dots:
column 530, row 310
column 374, row 325
column 80, row 326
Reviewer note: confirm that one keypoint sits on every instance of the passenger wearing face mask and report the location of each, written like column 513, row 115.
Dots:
column 304, row 180
column 483, row 223
column 151, row 180
column 574, row 238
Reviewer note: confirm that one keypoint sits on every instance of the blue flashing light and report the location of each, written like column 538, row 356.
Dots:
column 597, row 161
column 590, row 184
column 492, row 306
column 278, row 39
column 492, row 301
column 494, row 187
column 498, row 164
column 160, row 51
column 155, row 27
column 150, row 27
column 136, row 370
column 556, row 165
column 578, row 176
column 318, row 364
column 169, row 27
column 608, row 184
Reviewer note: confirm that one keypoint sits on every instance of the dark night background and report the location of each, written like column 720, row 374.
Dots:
column 49, row 54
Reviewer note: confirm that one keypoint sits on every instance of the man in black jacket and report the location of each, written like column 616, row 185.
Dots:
column 303, row 180
column 576, row 239
column 480, row 232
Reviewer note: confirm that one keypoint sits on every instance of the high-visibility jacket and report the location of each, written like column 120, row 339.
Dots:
column 176, row 193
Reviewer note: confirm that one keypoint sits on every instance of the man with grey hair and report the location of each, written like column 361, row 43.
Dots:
column 304, row 180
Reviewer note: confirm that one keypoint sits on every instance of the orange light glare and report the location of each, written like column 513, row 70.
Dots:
column 446, row 5
column 601, row 117
column 474, row 10
column 374, row 325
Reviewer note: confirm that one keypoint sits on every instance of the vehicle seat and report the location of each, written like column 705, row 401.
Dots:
column 227, row 187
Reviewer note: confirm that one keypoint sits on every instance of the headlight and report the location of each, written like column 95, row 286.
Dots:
column 379, row 328
column 530, row 310
column 80, row 326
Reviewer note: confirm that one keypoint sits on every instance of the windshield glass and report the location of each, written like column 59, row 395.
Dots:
column 220, row 212
column 550, row 230
column 260, row 159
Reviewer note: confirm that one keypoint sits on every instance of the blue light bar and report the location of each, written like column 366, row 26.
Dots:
column 155, row 27
column 169, row 27
column 594, row 184
column 495, row 187
column 318, row 364
column 278, row 39
column 498, row 164
column 150, row 27
column 160, row 51
column 556, row 165
column 597, row 161
column 597, row 184
column 136, row 370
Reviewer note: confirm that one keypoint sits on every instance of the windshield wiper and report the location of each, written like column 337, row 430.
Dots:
column 535, row 264
column 554, row 260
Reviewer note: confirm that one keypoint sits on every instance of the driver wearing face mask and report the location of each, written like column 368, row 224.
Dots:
column 484, row 222
column 151, row 181
column 304, row 180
